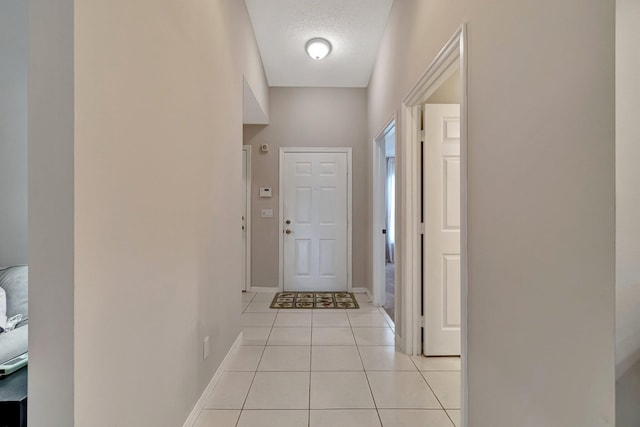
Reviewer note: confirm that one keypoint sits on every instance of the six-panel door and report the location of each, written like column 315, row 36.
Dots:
column 315, row 221
column 441, row 196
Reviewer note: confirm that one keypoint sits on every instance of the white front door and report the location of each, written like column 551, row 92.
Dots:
column 315, row 202
column 441, row 196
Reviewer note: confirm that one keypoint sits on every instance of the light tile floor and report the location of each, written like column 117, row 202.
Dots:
column 337, row 368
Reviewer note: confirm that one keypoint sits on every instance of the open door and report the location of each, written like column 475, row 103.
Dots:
column 384, row 219
column 441, row 255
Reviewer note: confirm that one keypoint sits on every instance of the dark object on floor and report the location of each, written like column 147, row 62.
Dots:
column 314, row 300
column 13, row 399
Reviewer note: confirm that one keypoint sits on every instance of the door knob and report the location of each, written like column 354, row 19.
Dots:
column 288, row 231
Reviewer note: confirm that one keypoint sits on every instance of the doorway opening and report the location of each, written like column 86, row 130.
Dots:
column 433, row 216
column 441, row 218
column 246, row 218
column 384, row 224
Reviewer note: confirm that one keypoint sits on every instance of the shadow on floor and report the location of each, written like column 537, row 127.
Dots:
column 390, row 289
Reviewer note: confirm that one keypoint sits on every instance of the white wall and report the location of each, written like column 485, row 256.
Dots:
column 627, row 213
column 306, row 117
column 13, row 132
column 541, row 197
column 247, row 52
column 156, row 203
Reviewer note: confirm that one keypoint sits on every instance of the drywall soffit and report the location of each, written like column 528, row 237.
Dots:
column 252, row 112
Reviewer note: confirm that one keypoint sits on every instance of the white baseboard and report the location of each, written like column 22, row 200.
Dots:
column 359, row 290
column 265, row 289
column 362, row 290
column 199, row 406
column 388, row 319
column 369, row 294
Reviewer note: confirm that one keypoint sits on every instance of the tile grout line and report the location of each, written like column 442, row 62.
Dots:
column 264, row 348
column 254, row 372
column 375, row 405
column 432, row 391
column 245, row 308
column 450, row 419
column 351, row 327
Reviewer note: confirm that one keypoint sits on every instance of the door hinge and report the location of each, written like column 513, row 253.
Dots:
column 421, row 322
column 421, row 228
column 422, row 135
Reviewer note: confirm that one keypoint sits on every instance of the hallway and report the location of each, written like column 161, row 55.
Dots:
column 313, row 368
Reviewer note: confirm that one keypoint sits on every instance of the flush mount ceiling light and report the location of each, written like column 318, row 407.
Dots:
column 318, row 48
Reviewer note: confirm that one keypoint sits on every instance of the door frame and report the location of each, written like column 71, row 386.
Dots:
column 247, row 221
column 454, row 52
column 379, row 212
column 283, row 151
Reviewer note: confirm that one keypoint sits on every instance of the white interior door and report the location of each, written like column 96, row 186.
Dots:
column 441, row 195
column 314, row 214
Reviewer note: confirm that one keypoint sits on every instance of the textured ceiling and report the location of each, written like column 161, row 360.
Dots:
column 354, row 28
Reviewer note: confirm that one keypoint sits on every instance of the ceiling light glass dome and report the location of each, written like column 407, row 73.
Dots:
column 318, row 48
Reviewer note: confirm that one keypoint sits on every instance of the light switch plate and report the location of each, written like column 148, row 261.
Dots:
column 267, row 213
column 265, row 191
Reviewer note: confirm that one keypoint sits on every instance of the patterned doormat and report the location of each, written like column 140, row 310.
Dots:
column 314, row 300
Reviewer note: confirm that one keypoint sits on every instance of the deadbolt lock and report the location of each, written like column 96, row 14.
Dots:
column 288, row 221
